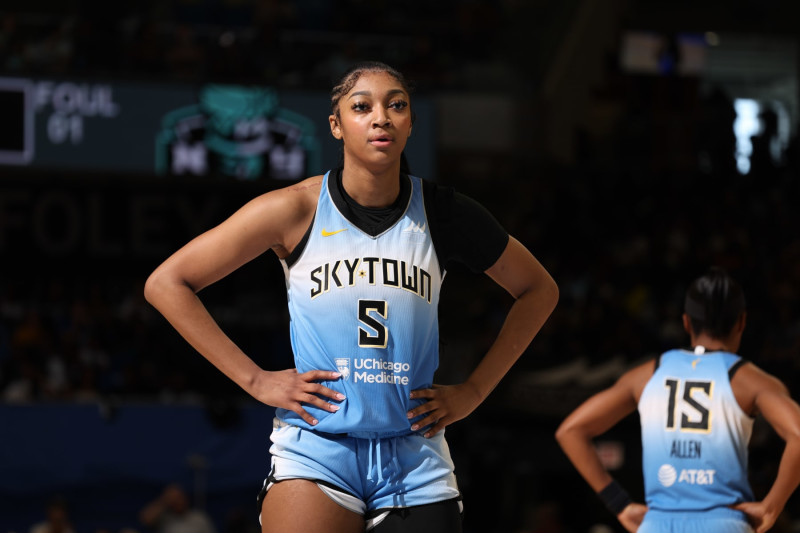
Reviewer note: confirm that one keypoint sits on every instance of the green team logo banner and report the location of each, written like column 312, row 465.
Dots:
column 241, row 132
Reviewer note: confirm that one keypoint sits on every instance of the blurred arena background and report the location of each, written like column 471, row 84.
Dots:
column 628, row 143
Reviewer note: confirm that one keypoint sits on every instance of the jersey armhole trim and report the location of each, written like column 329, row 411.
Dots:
column 292, row 258
column 735, row 367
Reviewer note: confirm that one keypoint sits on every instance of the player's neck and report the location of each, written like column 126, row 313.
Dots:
column 371, row 189
column 712, row 344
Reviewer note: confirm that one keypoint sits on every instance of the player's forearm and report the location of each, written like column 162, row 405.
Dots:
column 592, row 418
column 788, row 478
column 579, row 448
column 186, row 313
column 524, row 320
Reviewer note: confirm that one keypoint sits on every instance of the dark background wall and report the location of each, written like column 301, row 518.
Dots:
column 601, row 134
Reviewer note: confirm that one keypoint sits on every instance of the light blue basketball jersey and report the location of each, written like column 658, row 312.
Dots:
column 367, row 307
column 694, row 434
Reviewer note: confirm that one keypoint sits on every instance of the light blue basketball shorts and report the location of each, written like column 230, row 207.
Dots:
column 720, row 520
column 365, row 474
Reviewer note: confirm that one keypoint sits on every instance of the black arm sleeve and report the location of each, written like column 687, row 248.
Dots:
column 463, row 231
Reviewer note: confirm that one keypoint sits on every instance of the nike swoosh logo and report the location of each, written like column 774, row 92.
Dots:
column 329, row 233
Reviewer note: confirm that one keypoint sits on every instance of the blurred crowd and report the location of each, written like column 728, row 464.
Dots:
column 172, row 510
column 280, row 42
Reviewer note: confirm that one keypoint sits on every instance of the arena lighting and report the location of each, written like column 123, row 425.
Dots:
column 745, row 126
column 748, row 123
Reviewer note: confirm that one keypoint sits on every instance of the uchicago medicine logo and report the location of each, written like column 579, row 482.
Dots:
column 343, row 366
column 369, row 370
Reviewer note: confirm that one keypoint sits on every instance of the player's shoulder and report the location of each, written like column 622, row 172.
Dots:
column 297, row 198
column 636, row 378
column 750, row 375
column 447, row 203
column 751, row 384
column 304, row 190
column 432, row 190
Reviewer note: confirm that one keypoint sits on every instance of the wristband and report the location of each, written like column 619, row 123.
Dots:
column 614, row 497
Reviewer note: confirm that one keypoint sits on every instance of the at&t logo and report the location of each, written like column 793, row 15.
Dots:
column 668, row 476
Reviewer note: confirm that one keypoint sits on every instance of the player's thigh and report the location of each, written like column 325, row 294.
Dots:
column 440, row 517
column 300, row 505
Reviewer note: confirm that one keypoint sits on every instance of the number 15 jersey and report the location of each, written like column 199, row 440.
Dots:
column 694, row 433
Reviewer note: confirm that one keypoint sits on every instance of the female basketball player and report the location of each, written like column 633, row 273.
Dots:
column 358, row 440
column 696, row 408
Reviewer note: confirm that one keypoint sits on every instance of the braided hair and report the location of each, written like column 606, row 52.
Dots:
column 714, row 302
column 349, row 80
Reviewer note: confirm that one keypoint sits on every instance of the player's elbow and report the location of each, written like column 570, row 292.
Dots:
column 550, row 293
column 156, row 287
column 542, row 292
column 574, row 430
column 152, row 288
column 565, row 432
column 792, row 433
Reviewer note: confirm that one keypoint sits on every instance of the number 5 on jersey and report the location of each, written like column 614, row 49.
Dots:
column 695, row 417
column 375, row 334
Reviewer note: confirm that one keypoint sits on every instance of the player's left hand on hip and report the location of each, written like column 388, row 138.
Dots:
column 445, row 404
